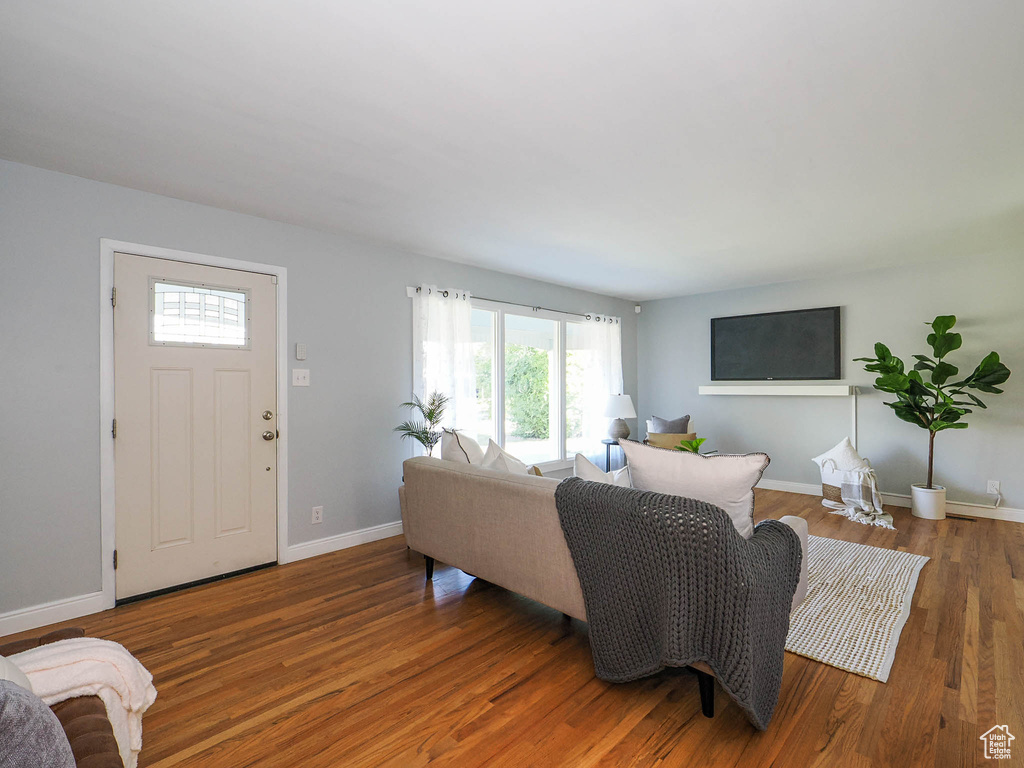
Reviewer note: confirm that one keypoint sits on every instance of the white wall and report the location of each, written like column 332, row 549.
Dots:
column 891, row 306
column 346, row 300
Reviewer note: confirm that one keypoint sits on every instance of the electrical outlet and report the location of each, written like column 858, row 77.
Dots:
column 993, row 487
column 318, row 515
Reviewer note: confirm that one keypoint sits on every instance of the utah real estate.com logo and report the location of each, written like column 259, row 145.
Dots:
column 997, row 742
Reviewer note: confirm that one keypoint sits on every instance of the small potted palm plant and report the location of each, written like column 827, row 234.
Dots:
column 938, row 403
column 426, row 429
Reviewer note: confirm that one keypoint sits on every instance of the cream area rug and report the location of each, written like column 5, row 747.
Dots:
column 858, row 600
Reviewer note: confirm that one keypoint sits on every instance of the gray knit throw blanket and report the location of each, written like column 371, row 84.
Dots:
column 668, row 581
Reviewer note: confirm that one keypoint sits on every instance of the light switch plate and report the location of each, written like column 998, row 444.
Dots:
column 300, row 377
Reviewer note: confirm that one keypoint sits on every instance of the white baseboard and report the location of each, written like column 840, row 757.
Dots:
column 963, row 508
column 36, row 616
column 341, row 541
column 809, row 489
column 784, row 485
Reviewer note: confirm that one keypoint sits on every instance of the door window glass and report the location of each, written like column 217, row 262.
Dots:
column 198, row 315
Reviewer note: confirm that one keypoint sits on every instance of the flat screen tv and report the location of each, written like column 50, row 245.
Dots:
column 797, row 345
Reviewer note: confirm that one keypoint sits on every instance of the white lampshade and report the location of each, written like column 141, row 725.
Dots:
column 620, row 407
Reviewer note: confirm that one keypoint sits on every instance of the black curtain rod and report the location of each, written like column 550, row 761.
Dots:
column 530, row 306
column 517, row 304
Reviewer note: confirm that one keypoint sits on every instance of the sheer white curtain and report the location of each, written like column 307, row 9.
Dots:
column 443, row 352
column 595, row 344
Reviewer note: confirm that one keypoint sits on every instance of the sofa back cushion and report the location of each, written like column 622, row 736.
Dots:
column 585, row 469
column 456, row 446
column 658, row 424
column 498, row 459
column 725, row 480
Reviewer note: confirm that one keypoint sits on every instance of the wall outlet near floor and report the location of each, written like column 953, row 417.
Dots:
column 318, row 515
column 993, row 487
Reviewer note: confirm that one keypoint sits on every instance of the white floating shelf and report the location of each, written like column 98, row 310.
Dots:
column 783, row 390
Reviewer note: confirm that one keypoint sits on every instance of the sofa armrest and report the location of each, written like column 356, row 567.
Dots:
column 88, row 730
column 799, row 525
column 83, row 718
column 34, row 642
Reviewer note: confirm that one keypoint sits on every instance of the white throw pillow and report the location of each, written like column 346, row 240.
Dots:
column 835, row 464
column 456, row 446
column 500, row 460
column 844, row 456
column 9, row 671
column 725, row 480
column 585, row 469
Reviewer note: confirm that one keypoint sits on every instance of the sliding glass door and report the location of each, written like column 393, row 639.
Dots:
column 485, row 337
column 520, row 375
column 532, row 388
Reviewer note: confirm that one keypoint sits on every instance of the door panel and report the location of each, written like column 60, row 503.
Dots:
column 232, row 462
column 171, row 457
column 196, row 482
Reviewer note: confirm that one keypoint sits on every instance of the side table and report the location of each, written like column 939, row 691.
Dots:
column 608, row 443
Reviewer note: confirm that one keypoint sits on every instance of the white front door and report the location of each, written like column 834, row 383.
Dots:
column 195, row 402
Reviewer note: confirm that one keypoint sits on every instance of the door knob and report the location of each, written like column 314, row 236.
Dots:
column 268, row 415
column 268, row 435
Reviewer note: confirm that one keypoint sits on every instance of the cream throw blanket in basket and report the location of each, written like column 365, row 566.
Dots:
column 849, row 486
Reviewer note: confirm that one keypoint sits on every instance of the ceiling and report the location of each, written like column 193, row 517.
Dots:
column 638, row 149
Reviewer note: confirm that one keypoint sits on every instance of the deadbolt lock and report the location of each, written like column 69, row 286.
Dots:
column 268, row 415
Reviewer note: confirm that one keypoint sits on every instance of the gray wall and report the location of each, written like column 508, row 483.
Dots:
column 889, row 306
column 346, row 300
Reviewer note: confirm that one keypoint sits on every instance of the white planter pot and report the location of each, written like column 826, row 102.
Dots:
column 929, row 503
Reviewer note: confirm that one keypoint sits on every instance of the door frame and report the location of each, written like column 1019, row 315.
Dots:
column 108, row 248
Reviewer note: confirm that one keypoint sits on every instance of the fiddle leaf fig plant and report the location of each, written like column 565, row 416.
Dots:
column 693, row 446
column 935, row 403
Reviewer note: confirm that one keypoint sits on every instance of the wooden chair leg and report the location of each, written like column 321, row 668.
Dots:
column 706, row 683
column 430, row 567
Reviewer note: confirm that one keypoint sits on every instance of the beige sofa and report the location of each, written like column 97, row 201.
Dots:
column 504, row 528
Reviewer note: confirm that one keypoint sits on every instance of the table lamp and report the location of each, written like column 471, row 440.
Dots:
column 619, row 407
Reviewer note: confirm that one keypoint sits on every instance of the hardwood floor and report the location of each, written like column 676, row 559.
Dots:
column 350, row 659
